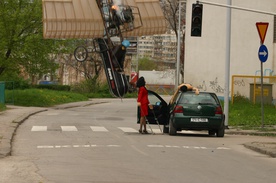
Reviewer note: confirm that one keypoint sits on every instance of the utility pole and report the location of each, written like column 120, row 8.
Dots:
column 178, row 46
column 227, row 64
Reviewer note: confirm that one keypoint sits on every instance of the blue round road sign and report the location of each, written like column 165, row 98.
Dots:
column 263, row 53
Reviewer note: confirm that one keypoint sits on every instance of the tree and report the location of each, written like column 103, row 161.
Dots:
column 22, row 47
column 171, row 9
column 146, row 64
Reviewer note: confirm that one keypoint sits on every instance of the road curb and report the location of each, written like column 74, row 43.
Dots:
column 267, row 148
column 6, row 141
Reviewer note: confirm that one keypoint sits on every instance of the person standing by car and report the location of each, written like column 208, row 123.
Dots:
column 143, row 102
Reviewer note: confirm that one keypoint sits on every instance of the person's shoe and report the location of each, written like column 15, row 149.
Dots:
column 140, row 131
column 145, row 131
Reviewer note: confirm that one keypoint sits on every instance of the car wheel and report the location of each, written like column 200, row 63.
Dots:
column 172, row 129
column 211, row 132
column 220, row 132
column 165, row 129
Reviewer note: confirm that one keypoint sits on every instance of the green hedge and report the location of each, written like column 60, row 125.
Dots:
column 53, row 87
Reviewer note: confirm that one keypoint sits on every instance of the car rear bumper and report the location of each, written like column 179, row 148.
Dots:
column 186, row 124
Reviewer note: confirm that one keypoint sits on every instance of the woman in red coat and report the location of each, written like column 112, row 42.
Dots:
column 143, row 102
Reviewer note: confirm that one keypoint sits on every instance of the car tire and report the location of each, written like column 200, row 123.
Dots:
column 172, row 129
column 211, row 132
column 165, row 129
column 221, row 131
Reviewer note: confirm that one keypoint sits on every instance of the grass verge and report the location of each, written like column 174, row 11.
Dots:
column 247, row 115
column 42, row 97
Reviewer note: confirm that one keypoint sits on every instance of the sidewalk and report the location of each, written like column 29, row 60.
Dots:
column 15, row 115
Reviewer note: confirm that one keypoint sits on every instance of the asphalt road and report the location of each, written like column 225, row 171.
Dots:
column 100, row 143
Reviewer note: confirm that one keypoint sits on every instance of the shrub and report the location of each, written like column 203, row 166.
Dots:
column 86, row 86
column 2, row 107
column 239, row 98
column 53, row 87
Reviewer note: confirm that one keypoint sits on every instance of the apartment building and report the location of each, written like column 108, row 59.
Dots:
column 159, row 48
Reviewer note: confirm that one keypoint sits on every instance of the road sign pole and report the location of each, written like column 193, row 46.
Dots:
column 263, row 55
column 262, row 95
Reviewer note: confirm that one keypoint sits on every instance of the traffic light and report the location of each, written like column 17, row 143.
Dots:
column 196, row 20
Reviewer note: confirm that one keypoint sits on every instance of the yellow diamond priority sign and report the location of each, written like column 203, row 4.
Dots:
column 262, row 29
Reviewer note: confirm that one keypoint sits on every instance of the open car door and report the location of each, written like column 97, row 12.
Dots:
column 160, row 110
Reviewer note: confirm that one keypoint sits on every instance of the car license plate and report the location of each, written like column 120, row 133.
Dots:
column 199, row 120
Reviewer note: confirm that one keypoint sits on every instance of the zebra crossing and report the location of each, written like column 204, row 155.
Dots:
column 92, row 128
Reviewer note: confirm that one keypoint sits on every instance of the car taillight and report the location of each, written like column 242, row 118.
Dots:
column 219, row 110
column 178, row 109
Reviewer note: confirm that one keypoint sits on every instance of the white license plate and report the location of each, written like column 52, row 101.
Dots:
column 199, row 120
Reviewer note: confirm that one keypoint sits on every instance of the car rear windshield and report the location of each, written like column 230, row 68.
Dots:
column 202, row 98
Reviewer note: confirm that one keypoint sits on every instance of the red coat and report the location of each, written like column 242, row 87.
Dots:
column 143, row 99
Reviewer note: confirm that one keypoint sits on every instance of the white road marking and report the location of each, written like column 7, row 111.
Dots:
column 69, row 128
column 116, row 145
column 154, row 130
column 45, row 147
column 102, row 129
column 128, row 130
column 155, row 146
column 113, row 146
column 98, row 129
column 75, row 146
column 39, row 128
column 172, row 146
column 187, row 147
column 225, row 148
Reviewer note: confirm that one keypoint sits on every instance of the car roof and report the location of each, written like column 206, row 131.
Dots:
column 199, row 92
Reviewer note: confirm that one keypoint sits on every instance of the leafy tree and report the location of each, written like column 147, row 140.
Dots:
column 22, row 47
column 146, row 64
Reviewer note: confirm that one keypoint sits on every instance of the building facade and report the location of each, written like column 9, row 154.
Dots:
column 159, row 48
column 205, row 56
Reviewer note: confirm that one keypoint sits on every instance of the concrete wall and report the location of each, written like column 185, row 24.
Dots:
column 205, row 55
column 166, row 77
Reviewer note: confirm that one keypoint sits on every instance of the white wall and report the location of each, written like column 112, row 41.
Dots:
column 205, row 55
column 166, row 77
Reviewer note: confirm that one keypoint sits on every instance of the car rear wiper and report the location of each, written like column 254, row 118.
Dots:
column 205, row 103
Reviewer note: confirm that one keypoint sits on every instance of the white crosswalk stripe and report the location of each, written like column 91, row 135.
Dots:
column 92, row 128
column 128, row 130
column 69, row 128
column 39, row 128
column 98, row 129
